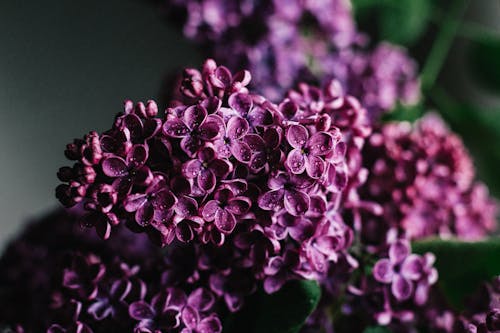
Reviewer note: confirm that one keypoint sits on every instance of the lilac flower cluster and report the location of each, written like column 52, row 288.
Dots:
column 229, row 172
column 286, row 42
column 423, row 178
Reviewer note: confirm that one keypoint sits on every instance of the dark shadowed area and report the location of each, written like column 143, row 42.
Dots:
column 65, row 69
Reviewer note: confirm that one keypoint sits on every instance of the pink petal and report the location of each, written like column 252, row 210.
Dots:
column 190, row 317
column 296, row 202
column 141, row 310
column 296, row 161
column 412, row 267
column 134, row 124
column 137, row 156
column 114, row 167
column 297, row 136
column 273, row 283
column 186, row 206
column 210, row 324
column 190, row 145
column 201, row 299
column 191, row 169
column 239, row 205
column 163, row 200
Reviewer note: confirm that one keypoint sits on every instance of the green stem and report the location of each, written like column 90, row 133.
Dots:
column 442, row 44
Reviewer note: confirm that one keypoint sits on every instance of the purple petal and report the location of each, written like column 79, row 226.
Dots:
column 206, row 180
column 255, row 142
column 296, row 161
column 141, row 310
column 273, row 283
column 120, row 289
column 175, row 128
column 191, row 169
column 194, row 116
column 163, row 200
column 243, row 77
column 144, row 214
column 100, row 309
column 258, row 161
column 297, row 136
column 224, row 221
column 220, row 168
column 206, row 154
column 210, row 324
column 399, row 250
column 223, row 149
column 209, row 210
column 239, row 205
column 190, row 317
column 421, row 293
column 272, row 200
column 401, row 288
column 184, row 232
column 137, row 156
column 186, row 206
column 237, row 128
column 171, row 318
column 151, row 127
column 296, row 202
column 315, row 166
column 241, row 151
column 234, row 302
column 221, row 78
column 382, row 271
column 412, row 267
column 114, row 167
column 103, row 227
column 241, row 103
column 134, row 124
column 201, row 299
column 134, row 201
column 260, row 117
column 190, row 145
column 320, row 144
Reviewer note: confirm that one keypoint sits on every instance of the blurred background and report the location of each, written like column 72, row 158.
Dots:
column 66, row 67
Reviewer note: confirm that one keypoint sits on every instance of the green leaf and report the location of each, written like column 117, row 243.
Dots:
column 404, row 113
column 377, row 329
column 282, row 312
column 399, row 21
column 484, row 58
column 462, row 266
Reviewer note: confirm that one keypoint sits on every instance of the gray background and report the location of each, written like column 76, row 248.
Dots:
column 65, row 68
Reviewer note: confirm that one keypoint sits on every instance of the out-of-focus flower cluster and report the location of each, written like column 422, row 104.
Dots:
column 286, row 42
column 423, row 178
column 57, row 278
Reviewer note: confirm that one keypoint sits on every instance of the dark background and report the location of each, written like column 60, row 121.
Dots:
column 67, row 66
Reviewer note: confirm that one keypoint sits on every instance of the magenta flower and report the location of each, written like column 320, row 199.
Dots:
column 206, row 168
column 194, row 128
column 231, row 143
column 401, row 270
column 308, row 151
column 224, row 208
column 129, row 171
column 286, row 191
column 156, row 203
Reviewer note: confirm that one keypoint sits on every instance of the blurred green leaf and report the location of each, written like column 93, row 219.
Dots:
column 376, row 329
column 484, row 59
column 282, row 312
column 404, row 113
column 399, row 21
column 462, row 266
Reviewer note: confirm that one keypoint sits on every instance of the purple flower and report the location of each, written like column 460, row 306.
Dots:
column 206, row 168
column 280, row 269
column 128, row 171
column 231, row 143
column 308, row 151
column 156, row 203
column 194, row 127
column 286, row 191
column 400, row 270
column 224, row 208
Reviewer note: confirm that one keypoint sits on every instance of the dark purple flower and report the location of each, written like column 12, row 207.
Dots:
column 156, row 203
column 231, row 143
column 206, row 168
